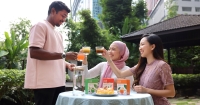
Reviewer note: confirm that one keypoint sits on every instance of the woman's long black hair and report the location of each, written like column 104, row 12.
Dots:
column 157, row 54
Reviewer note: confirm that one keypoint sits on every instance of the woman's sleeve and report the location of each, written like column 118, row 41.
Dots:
column 133, row 70
column 93, row 72
column 166, row 74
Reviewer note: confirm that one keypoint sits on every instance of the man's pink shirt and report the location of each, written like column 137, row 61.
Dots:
column 45, row 73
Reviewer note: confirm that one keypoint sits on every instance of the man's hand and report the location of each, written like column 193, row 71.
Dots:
column 70, row 66
column 71, row 56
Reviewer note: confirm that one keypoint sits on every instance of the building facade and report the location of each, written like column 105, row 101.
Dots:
column 157, row 11
column 188, row 6
column 151, row 4
column 92, row 5
column 96, row 9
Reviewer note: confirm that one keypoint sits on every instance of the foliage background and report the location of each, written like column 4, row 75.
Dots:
column 11, row 87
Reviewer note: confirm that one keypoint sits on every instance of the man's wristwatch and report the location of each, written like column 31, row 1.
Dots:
column 63, row 55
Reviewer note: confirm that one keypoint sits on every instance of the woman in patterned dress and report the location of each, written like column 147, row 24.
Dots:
column 152, row 74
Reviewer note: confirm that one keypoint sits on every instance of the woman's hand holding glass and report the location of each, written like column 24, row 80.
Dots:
column 106, row 55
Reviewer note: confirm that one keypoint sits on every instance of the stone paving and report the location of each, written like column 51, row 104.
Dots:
column 183, row 101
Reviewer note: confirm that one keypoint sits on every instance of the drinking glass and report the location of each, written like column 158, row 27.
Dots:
column 78, row 81
column 86, row 50
column 80, row 56
column 99, row 50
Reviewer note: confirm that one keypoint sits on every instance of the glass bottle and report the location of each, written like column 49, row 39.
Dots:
column 78, row 81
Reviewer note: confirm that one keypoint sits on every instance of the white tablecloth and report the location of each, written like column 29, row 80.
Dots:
column 66, row 98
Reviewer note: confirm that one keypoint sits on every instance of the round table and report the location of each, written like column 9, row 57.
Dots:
column 66, row 98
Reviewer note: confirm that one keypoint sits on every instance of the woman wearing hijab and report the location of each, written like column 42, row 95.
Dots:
column 119, row 53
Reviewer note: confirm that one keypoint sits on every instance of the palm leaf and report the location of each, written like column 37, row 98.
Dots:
column 23, row 46
column 16, row 49
column 8, row 41
column 13, row 38
column 8, row 44
column 23, row 39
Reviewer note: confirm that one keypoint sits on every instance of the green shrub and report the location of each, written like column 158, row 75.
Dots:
column 185, row 82
column 11, row 87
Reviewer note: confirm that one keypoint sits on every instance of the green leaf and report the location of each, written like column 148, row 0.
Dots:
column 3, row 53
column 13, row 38
column 8, row 41
column 118, row 88
column 125, row 86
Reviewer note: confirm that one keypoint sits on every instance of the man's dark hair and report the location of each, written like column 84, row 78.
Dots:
column 59, row 6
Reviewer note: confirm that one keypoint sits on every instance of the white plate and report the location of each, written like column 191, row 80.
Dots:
column 105, row 95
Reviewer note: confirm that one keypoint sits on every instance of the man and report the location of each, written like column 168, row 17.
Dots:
column 45, row 71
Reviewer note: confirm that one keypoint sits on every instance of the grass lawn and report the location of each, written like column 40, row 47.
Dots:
column 182, row 101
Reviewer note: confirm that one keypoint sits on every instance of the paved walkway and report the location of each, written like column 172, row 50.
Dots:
column 183, row 101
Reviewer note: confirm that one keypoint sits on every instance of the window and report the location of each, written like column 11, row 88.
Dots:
column 186, row 0
column 186, row 8
column 197, row 9
column 197, row 0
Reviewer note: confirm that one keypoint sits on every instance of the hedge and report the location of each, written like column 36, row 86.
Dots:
column 186, row 81
column 187, row 84
column 11, row 87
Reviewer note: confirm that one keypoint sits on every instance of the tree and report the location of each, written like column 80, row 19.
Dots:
column 133, row 48
column 172, row 8
column 140, row 9
column 90, row 31
column 73, row 33
column 121, row 17
column 14, row 49
column 136, row 21
column 3, row 53
column 185, row 57
column 21, row 28
column 86, row 33
column 114, row 12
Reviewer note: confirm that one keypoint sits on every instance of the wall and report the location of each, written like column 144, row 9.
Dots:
column 158, row 13
column 191, row 3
